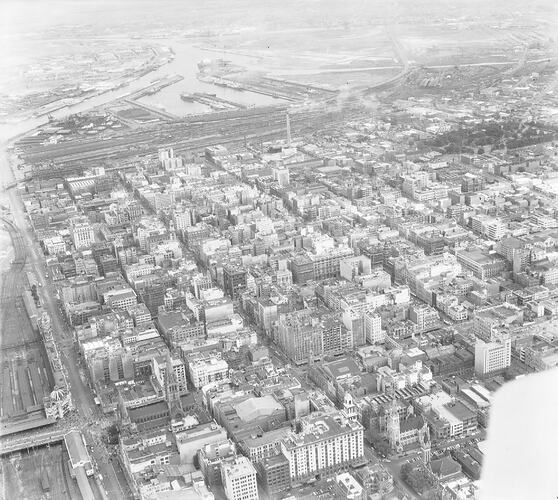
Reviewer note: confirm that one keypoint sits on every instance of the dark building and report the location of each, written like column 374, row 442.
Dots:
column 151, row 416
column 234, row 280
column 431, row 244
column 153, row 296
column 302, row 268
column 375, row 253
column 107, row 264
column 274, row 474
column 68, row 267
column 471, row 183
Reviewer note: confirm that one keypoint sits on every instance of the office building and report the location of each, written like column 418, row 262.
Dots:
column 274, row 474
column 239, row 480
column 207, row 367
column 492, row 357
column 324, row 444
column 82, row 235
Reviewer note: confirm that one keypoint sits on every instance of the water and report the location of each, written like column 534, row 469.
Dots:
column 185, row 64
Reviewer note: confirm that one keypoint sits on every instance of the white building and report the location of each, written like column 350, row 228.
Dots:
column 491, row 357
column 373, row 328
column 239, row 480
column 207, row 367
column 326, row 442
column 54, row 245
column 122, row 298
column 82, row 235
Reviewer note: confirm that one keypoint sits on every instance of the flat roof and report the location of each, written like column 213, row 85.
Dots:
column 76, row 448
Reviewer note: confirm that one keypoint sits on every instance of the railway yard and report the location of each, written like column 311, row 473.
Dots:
column 196, row 132
column 42, row 473
column 26, row 376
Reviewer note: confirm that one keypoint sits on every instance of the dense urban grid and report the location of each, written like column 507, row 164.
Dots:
column 312, row 299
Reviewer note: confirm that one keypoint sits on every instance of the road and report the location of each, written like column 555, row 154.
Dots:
column 392, row 466
column 82, row 396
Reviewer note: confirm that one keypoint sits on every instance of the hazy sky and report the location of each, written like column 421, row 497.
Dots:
column 28, row 15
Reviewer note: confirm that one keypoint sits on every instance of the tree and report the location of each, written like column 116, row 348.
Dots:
column 380, row 444
column 112, row 434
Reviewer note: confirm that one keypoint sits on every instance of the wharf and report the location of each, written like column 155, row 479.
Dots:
column 214, row 102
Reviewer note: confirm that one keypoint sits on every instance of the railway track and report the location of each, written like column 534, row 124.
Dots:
column 181, row 132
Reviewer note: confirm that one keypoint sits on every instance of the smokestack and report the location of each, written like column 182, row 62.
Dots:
column 288, row 130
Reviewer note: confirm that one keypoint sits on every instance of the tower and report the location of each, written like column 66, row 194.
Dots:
column 172, row 391
column 172, row 230
column 393, row 425
column 288, row 129
column 425, row 446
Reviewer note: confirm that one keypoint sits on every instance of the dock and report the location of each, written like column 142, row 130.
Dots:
column 155, row 87
column 214, row 102
column 152, row 109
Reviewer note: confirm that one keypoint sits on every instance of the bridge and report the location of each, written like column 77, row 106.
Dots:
column 9, row 185
column 8, row 447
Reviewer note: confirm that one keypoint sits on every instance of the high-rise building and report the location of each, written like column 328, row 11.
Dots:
column 274, row 474
column 239, row 480
column 492, row 357
column 82, row 234
column 373, row 328
column 212, row 457
column 310, row 334
column 281, row 175
column 172, row 390
column 234, row 281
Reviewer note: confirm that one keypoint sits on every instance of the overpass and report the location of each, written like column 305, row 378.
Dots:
column 9, row 185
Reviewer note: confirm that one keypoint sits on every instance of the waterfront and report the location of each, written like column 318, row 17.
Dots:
column 187, row 55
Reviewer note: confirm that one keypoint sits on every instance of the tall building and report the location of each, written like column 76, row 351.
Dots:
column 274, row 474
column 212, row 457
column 239, row 480
column 492, row 357
column 393, row 426
column 234, row 281
column 82, row 234
column 281, row 175
column 310, row 334
column 108, row 360
column 172, row 391
column 425, row 317
column 373, row 328
column 324, row 444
